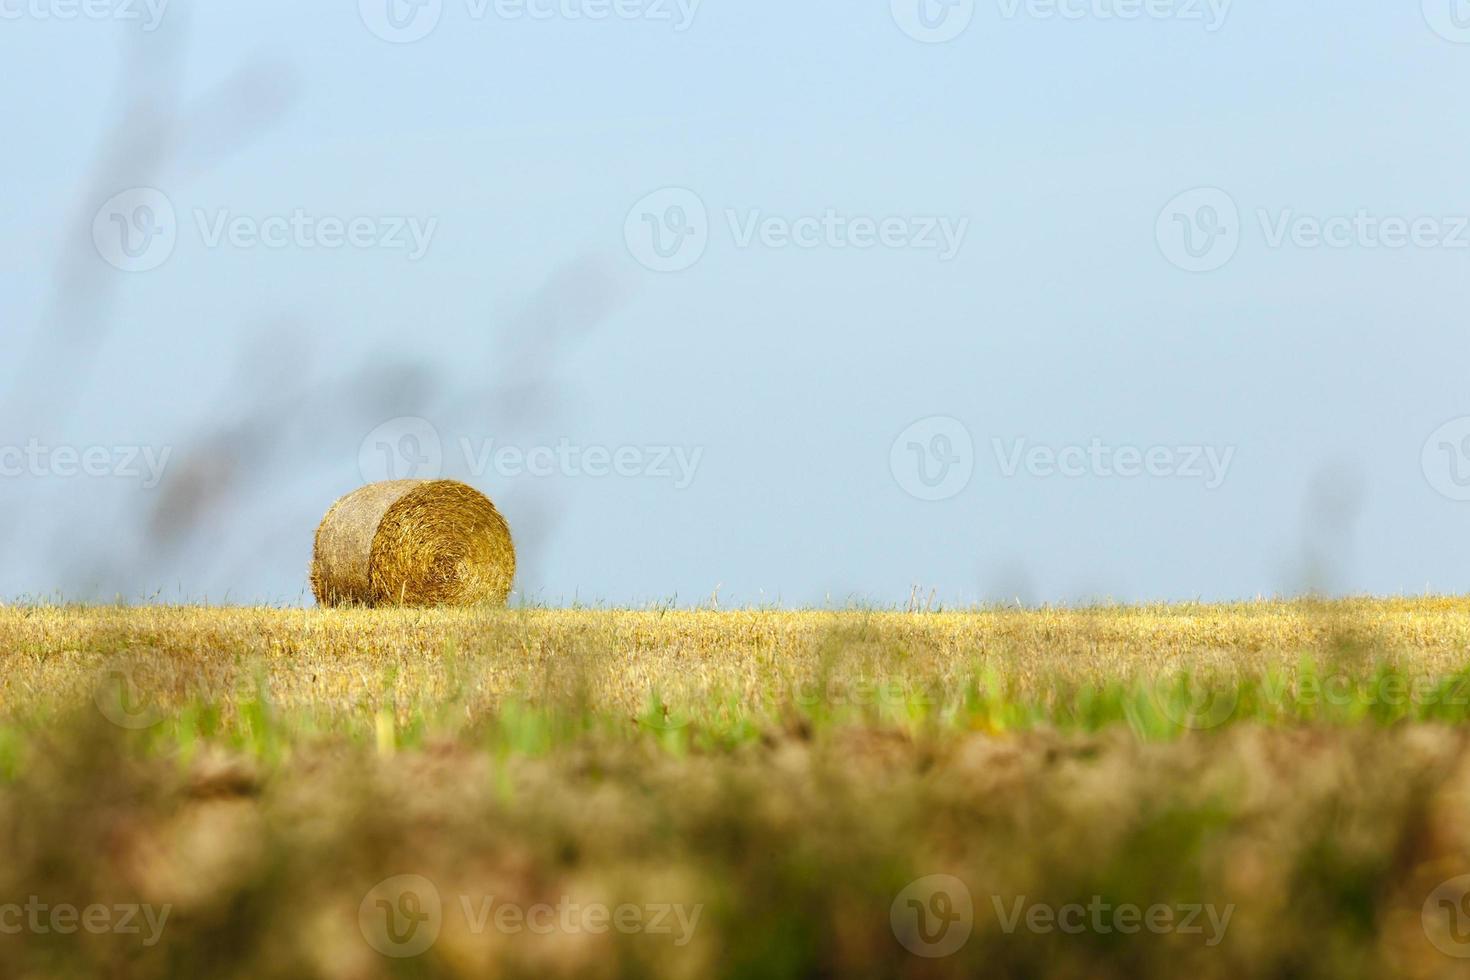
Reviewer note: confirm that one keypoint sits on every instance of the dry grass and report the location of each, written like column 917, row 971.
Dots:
column 1305, row 766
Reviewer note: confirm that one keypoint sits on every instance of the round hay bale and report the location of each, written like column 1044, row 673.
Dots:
column 413, row 543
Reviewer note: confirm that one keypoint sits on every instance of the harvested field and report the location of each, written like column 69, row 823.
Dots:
column 1262, row 789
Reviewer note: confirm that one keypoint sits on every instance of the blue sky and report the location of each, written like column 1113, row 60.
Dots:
column 862, row 309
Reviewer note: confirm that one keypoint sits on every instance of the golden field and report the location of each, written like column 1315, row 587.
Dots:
column 1255, row 789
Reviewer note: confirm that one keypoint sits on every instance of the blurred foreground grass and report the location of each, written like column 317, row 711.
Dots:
column 1261, row 789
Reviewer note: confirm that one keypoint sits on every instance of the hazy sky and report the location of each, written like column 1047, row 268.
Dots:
column 1050, row 300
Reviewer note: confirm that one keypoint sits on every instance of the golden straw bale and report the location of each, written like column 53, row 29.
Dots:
column 413, row 543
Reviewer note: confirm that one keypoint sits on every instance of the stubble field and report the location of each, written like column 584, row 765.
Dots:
column 1260, row 789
